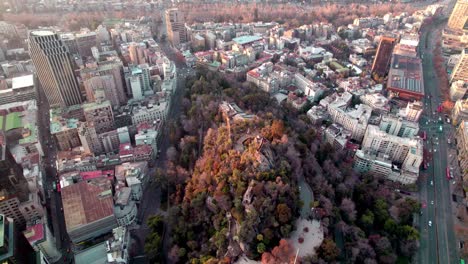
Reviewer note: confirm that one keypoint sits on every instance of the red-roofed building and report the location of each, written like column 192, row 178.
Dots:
column 40, row 238
column 88, row 209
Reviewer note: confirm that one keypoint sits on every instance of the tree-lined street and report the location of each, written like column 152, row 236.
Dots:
column 437, row 243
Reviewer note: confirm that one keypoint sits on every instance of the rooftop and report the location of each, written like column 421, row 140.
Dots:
column 84, row 203
column 246, row 39
column 34, row 233
column 406, row 74
column 23, row 81
column 13, row 120
column 42, row 33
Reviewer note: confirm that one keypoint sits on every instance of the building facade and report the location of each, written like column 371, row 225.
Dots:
column 460, row 72
column 175, row 26
column 54, row 69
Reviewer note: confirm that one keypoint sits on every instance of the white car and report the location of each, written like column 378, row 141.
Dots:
column 432, row 202
column 430, row 223
column 432, row 183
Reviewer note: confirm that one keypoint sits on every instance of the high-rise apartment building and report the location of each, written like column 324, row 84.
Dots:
column 175, row 26
column 460, row 72
column 138, row 79
column 383, row 56
column 108, row 68
column 395, row 147
column 100, row 113
column 137, row 53
column 54, row 68
column 85, row 41
column 459, row 17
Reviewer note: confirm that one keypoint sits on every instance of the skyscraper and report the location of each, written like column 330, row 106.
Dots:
column 460, row 72
column 54, row 68
column 459, row 17
column 175, row 26
column 383, row 56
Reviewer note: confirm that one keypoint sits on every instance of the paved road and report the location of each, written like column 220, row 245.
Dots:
column 53, row 200
column 438, row 243
column 152, row 195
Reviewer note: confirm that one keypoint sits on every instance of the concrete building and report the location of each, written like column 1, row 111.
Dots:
column 54, row 68
column 100, row 88
column 154, row 112
column 312, row 90
column 175, row 26
column 22, row 89
column 7, row 240
column 353, row 120
column 383, row 56
column 84, row 42
column 112, row 68
column 381, row 165
column 125, row 209
column 337, row 136
column 377, row 102
column 88, row 210
column 110, row 141
column 100, row 114
column 133, row 175
column 460, row 111
column 460, row 72
column 413, row 111
column 405, row 78
column 41, row 240
column 117, row 246
column 459, row 17
column 397, row 148
column 462, row 145
column 398, row 126
column 124, row 136
column 139, row 81
column 147, row 135
column 458, row 90
column 89, row 138
column 137, row 53
column 64, row 130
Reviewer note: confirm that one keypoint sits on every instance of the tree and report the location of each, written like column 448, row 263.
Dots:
column 283, row 213
column 348, row 208
column 261, row 247
column 328, row 250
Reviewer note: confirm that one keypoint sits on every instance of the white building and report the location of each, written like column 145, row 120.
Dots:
column 312, row 90
column 413, row 111
column 397, row 148
column 354, row 120
column 150, row 113
column 398, row 126
column 458, row 90
column 139, row 81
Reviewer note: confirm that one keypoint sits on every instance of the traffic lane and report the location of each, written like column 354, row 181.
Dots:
column 451, row 246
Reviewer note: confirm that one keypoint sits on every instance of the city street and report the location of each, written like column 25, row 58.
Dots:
column 152, row 195
column 437, row 243
column 55, row 215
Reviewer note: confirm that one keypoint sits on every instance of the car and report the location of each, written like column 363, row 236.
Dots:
column 432, row 183
column 430, row 223
column 61, row 209
column 432, row 202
